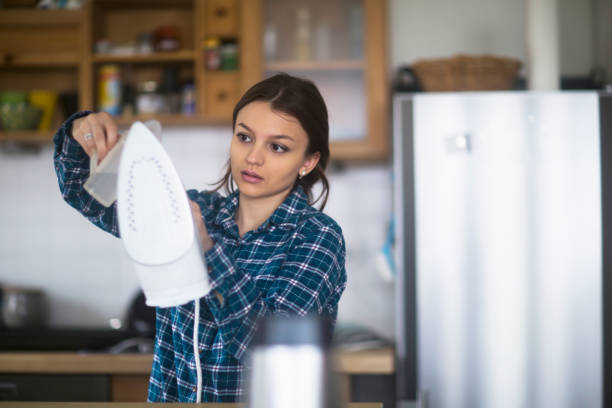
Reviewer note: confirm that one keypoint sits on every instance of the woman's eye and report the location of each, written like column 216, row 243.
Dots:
column 278, row 148
column 243, row 137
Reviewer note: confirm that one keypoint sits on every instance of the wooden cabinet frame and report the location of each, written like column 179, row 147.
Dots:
column 245, row 18
column 375, row 144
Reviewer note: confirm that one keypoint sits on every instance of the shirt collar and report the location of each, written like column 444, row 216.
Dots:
column 225, row 216
column 286, row 215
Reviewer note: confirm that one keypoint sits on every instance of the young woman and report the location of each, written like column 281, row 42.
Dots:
column 267, row 249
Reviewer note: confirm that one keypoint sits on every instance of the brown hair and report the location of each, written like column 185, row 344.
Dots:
column 301, row 99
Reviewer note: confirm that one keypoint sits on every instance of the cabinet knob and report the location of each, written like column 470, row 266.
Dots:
column 6, row 58
column 221, row 12
column 221, row 96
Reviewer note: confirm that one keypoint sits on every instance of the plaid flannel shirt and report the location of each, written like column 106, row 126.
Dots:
column 291, row 264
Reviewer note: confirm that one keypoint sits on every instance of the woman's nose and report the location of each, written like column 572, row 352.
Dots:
column 255, row 155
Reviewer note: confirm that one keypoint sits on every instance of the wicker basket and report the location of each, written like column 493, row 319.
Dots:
column 467, row 73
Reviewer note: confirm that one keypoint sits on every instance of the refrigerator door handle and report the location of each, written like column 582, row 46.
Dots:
column 461, row 143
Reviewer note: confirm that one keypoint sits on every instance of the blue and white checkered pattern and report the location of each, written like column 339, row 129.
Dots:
column 292, row 264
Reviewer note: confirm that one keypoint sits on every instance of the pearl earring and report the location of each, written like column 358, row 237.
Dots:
column 302, row 173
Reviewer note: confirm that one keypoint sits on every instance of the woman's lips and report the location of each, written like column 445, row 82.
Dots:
column 251, row 177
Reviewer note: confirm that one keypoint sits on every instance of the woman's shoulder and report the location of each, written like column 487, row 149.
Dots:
column 307, row 219
column 314, row 221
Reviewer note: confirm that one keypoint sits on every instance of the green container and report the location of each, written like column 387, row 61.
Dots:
column 15, row 98
column 229, row 57
column 19, row 117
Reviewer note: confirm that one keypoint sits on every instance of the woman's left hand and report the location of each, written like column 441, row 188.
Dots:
column 205, row 241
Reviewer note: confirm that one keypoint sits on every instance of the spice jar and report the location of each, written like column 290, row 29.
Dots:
column 149, row 99
column 229, row 57
column 166, row 38
column 188, row 99
column 213, row 57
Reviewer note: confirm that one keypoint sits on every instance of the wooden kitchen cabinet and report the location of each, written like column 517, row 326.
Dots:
column 342, row 47
column 194, row 21
column 56, row 49
column 41, row 49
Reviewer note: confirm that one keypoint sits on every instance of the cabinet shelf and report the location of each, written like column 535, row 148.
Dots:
column 174, row 56
column 332, row 65
column 171, row 119
column 40, row 59
column 27, row 17
column 29, row 136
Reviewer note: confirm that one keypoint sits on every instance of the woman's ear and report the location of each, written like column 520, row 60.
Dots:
column 309, row 164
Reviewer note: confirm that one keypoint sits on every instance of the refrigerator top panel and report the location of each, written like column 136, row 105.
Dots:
column 508, row 248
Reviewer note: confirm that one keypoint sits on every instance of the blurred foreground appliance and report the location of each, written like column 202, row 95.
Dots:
column 291, row 365
column 503, row 205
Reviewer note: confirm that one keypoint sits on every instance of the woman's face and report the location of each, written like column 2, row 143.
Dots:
column 268, row 151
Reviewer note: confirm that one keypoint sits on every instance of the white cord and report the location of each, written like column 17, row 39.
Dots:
column 196, row 352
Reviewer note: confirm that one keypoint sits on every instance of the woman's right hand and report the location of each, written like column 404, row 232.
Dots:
column 103, row 130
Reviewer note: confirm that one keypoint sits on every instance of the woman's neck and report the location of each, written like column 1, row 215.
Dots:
column 252, row 212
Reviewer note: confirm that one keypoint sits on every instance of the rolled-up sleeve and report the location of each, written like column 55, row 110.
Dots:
column 72, row 169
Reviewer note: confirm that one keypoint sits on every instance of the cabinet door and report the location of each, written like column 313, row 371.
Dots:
column 41, row 50
column 221, row 95
column 221, row 18
column 339, row 45
column 56, row 387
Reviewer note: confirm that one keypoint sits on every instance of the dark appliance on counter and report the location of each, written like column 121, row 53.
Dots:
column 22, row 307
column 137, row 335
column 63, row 339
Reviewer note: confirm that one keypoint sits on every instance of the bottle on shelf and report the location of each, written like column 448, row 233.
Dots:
column 149, row 100
column 109, row 91
column 270, row 42
column 188, row 98
column 322, row 39
column 212, row 52
column 303, row 51
column 170, row 90
column 229, row 56
column 128, row 92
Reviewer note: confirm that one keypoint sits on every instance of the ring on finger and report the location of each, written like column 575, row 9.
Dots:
column 88, row 137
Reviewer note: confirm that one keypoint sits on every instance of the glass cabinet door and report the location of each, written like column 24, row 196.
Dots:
column 341, row 45
column 323, row 41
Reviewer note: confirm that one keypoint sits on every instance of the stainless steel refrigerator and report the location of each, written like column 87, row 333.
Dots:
column 502, row 204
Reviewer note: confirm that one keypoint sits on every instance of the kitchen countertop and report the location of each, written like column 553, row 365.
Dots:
column 148, row 405
column 373, row 361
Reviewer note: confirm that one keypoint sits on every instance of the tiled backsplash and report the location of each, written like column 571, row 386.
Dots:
column 86, row 273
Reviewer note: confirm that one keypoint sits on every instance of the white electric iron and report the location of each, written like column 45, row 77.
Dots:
column 156, row 224
column 102, row 180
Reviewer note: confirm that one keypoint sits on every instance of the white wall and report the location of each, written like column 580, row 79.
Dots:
column 85, row 272
column 577, row 36
column 442, row 28
column 602, row 18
